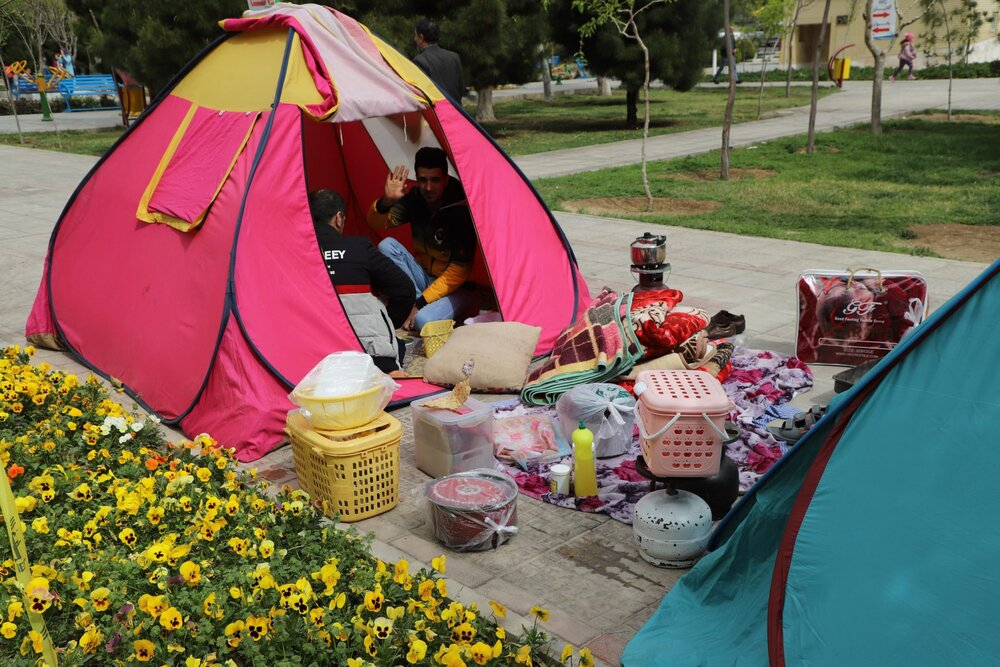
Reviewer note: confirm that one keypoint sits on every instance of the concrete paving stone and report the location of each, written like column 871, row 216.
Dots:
column 468, row 571
column 608, row 648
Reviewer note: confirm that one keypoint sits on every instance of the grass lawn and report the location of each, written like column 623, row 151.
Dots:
column 570, row 121
column 857, row 191
column 84, row 142
column 532, row 126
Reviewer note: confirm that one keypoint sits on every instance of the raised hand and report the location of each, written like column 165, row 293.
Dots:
column 395, row 185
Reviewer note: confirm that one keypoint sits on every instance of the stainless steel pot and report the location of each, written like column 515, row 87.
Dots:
column 649, row 250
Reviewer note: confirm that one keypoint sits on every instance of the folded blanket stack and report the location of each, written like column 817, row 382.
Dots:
column 601, row 345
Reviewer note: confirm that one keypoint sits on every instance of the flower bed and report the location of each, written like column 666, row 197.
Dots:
column 146, row 551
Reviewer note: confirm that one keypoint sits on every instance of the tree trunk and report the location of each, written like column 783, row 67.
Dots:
column 791, row 47
column 632, row 108
column 879, row 56
column 484, row 104
column 10, row 99
column 811, row 142
column 603, row 86
column 763, row 75
column 727, row 121
column 947, row 32
column 546, row 79
column 645, row 114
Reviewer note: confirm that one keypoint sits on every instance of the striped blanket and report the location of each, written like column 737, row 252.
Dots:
column 601, row 345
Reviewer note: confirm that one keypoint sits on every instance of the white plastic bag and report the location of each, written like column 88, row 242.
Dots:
column 350, row 376
column 606, row 409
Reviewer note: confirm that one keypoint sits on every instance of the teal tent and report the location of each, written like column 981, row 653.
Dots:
column 873, row 541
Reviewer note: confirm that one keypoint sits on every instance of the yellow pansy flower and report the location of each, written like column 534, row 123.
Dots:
column 191, row 572
column 40, row 525
column 541, row 614
column 464, row 633
column 586, row 659
column 499, row 610
column 439, row 563
column 171, row 618
column 8, row 630
column 101, row 597
column 91, row 639
column 523, row 656
column 482, row 653
column 266, row 548
column 417, row 652
column 144, row 650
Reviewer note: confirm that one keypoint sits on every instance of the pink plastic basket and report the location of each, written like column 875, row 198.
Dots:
column 681, row 417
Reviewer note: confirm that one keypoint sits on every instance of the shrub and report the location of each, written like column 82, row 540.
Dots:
column 144, row 551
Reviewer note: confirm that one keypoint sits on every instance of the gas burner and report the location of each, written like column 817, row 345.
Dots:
column 651, row 276
column 649, row 254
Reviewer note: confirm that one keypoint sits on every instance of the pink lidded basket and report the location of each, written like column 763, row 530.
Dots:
column 681, row 417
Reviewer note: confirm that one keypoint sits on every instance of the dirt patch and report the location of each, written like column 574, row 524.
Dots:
column 959, row 118
column 820, row 149
column 713, row 174
column 637, row 206
column 972, row 243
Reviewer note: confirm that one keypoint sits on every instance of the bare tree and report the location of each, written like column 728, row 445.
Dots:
column 773, row 18
column 5, row 30
column 790, row 32
column 622, row 14
column 811, row 141
column 727, row 119
column 959, row 24
column 878, row 53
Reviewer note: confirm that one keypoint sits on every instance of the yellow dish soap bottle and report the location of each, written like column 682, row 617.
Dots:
column 584, row 471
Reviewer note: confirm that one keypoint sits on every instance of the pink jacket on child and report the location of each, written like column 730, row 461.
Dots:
column 908, row 53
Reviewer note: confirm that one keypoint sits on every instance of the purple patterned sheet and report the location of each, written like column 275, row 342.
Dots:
column 760, row 380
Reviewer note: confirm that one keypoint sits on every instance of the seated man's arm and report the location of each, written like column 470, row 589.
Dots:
column 450, row 280
column 463, row 250
column 390, row 281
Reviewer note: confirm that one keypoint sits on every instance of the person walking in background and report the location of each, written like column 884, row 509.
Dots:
column 444, row 67
column 907, row 54
column 725, row 61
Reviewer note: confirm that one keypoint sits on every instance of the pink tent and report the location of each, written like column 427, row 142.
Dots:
column 185, row 266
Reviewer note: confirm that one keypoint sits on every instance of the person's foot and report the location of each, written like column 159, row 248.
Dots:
column 892, row 78
column 911, row 78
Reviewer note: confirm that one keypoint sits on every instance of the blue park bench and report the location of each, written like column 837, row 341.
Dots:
column 88, row 85
column 83, row 85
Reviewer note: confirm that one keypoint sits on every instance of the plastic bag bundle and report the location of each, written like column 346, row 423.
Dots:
column 606, row 409
column 344, row 390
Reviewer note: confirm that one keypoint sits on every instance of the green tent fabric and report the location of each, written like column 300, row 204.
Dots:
column 871, row 542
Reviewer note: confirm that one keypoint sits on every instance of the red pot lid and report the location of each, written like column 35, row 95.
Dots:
column 472, row 491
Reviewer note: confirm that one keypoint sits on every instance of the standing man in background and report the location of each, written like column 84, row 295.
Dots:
column 444, row 67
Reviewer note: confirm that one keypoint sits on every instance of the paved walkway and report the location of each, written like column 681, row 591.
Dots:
column 850, row 106
column 583, row 567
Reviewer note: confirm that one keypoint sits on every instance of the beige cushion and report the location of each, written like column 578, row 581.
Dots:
column 501, row 352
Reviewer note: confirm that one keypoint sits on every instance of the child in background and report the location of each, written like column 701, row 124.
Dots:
column 907, row 54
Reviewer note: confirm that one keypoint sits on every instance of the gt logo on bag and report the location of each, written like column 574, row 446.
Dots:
column 860, row 307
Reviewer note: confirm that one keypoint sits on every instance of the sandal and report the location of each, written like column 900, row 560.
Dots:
column 790, row 430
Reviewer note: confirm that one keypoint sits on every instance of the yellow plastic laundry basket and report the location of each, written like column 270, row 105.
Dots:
column 435, row 334
column 354, row 472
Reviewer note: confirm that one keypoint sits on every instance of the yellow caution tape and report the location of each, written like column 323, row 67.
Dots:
column 22, row 569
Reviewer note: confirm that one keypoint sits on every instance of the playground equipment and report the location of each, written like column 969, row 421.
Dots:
column 42, row 82
column 839, row 69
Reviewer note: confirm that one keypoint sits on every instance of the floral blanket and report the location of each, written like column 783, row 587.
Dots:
column 759, row 384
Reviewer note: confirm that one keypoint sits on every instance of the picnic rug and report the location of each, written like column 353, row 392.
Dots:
column 760, row 385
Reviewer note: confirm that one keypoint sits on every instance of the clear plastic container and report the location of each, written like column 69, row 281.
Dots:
column 447, row 442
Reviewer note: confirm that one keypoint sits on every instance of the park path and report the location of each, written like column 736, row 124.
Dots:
column 850, row 106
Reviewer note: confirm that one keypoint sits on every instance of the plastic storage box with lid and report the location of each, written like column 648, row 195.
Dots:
column 447, row 442
column 681, row 417
column 352, row 472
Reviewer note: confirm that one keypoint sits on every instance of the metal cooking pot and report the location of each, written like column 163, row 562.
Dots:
column 649, row 250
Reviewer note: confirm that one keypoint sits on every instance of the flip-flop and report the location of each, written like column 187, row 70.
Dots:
column 790, row 430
